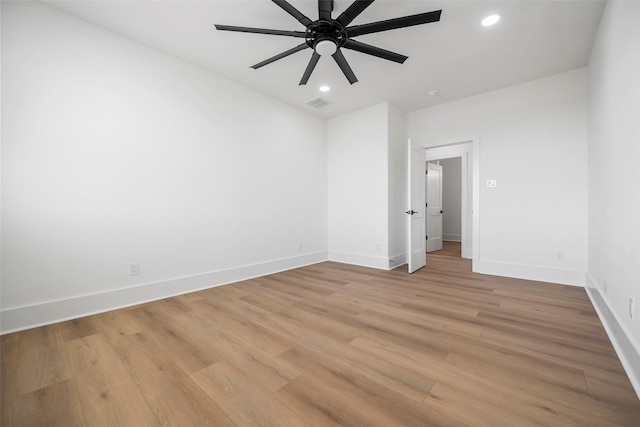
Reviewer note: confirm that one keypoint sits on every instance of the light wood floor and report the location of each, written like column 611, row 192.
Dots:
column 328, row 345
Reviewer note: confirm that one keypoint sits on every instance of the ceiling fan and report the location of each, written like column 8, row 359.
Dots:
column 326, row 36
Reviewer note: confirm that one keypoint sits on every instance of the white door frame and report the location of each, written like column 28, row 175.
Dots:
column 468, row 149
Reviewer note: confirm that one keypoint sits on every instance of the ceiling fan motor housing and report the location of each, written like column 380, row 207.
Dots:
column 325, row 31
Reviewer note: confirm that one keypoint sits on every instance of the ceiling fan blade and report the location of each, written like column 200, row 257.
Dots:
column 284, row 4
column 344, row 66
column 312, row 64
column 260, row 31
column 392, row 24
column 280, row 56
column 356, row 8
column 375, row 51
column 325, row 7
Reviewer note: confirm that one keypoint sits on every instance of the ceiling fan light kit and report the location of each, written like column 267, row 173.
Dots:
column 327, row 36
column 325, row 47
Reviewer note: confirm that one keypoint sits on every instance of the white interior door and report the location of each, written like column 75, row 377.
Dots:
column 416, row 253
column 434, row 207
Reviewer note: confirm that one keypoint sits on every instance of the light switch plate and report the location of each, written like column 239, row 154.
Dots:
column 492, row 183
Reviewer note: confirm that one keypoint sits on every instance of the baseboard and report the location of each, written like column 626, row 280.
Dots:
column 452, row 237
column 26, row 317
column 531, row 272
column 626, row 347
column 381, row 263
column 396, row 261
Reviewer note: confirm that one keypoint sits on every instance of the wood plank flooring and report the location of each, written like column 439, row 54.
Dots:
column 328, row 345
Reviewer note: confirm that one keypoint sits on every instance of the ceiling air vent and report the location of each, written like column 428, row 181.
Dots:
column 318, row 103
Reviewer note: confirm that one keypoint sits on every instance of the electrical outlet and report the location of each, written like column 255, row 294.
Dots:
column 134, row 268
column 632, row 308
column 559, row 256
column 299, row 246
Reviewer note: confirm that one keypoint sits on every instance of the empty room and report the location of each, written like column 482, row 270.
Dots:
column 222, row 213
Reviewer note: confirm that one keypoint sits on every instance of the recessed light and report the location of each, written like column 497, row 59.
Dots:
column 490, row 20
column 324, row 88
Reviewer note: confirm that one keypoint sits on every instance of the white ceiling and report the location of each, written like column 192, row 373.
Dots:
column 456, row 56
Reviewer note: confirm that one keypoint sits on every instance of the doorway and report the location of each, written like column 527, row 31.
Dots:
column 463, row 153
column 447, row 202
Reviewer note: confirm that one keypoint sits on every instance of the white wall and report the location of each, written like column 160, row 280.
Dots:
column 533, row 141
column 614, row 182
column 113, row 152
column 358, row 170
column 397, row 187
column 367, row 159
column 451, row 199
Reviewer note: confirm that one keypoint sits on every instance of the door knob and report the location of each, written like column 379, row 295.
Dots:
column 411, row 212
